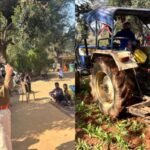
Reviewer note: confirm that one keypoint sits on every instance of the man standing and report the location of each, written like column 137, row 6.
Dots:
column 5, row 114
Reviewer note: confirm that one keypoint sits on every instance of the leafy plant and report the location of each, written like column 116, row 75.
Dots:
column 90, row 130
column 99, row 121
column 136, row 126
column 80, row 124
column 80, row 107
column 121, row 142
column 97, row 147
column 82, row 145
column 121, row 126
column 88, row 113
column 99, row 133
column 107, row 119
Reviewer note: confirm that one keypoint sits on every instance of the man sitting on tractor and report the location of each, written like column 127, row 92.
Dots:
column 126, row 34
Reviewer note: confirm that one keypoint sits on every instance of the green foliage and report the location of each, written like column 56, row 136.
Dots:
column 98, row 147
column 130, row 3
column 140, row 4
column 6, row 7
column 141, row 147
column 90, row 130
column 80, row 107
column 136, row 126
column 98, row 132
column 3, row 22
column 81, row 145
column 122, row 127
column 121, row 142
column 31, row 22
column 28, row 61
column 119, row 3
column 37, row 28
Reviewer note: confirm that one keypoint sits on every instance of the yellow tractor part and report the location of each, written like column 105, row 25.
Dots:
column 140, row 56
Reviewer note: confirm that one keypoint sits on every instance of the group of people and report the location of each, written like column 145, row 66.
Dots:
column 6, row 83
column 23, row 80
column 25, row 85
column 61, row 96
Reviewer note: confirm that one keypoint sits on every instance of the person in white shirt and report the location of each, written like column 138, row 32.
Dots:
column 82, row 55
column 60, row 73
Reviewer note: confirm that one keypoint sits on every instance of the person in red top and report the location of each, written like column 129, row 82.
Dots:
column 65, row 69
column 5, row 114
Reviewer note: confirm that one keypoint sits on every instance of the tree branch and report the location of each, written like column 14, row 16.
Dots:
column 5, row 31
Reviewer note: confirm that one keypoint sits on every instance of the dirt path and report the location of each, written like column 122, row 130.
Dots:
column 39, row 125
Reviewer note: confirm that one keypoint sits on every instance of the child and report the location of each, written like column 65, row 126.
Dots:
column 67, row 94
column 60, row 73
column 65, row 68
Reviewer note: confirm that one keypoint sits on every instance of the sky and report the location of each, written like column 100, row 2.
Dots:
column 71, row 13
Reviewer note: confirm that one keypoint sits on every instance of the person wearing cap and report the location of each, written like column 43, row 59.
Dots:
column 5, row 114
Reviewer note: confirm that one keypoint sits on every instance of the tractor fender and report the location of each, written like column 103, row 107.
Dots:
column 123, row 59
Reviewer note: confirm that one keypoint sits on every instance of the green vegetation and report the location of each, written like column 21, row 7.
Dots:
column 95, row 131
column 32, row 32
column 82, row 145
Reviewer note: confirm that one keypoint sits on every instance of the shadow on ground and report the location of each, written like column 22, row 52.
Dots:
column 66, row 146
column 25, row 144
column 33, row 119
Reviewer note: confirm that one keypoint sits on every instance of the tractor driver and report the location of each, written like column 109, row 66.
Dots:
column 126, row 33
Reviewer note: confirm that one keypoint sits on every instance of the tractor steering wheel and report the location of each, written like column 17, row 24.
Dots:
column 116, row 45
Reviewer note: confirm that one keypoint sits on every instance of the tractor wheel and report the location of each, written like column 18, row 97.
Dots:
column 113, row 89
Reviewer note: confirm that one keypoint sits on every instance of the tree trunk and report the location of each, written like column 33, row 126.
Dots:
column 3, row 47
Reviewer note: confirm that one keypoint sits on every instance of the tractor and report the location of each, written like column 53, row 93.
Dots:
column 119, row 77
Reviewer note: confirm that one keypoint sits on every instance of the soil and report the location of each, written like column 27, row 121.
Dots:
column 40, row 125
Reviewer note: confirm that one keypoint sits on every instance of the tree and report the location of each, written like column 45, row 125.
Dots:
column 37, row 27
column 140, row 4
column 6, row 7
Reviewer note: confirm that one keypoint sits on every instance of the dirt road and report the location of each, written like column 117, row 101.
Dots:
column 39, row 125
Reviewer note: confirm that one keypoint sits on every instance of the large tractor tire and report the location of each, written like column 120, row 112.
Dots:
column 113, row 89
